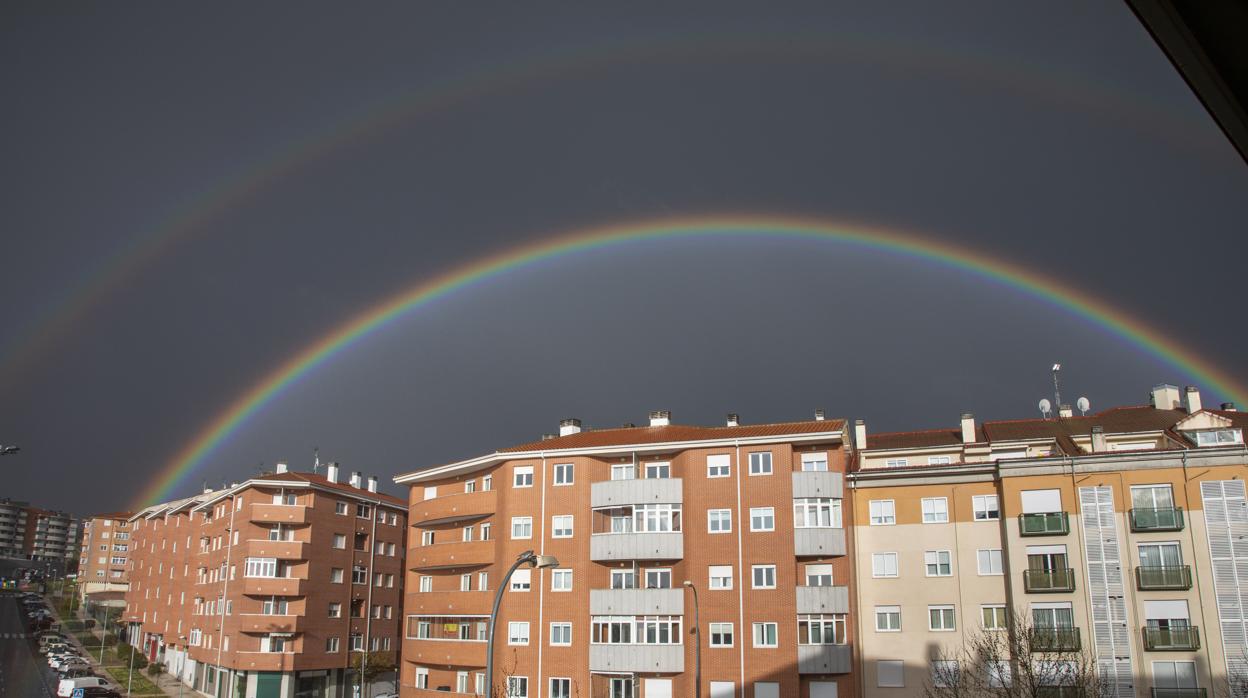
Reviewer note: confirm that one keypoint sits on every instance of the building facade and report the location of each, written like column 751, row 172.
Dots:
column 736, row 531
column 270, row 588
column 104, row 558
column 1121, row 537
column 39, row 534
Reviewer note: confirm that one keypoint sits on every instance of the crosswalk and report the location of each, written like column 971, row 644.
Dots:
column 14, row 636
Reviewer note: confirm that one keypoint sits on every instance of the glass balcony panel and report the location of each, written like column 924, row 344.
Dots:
column 1163, row 578
column 1045, row 581
column 1055, row 639
column 1172, row 639
column 1156, row 519
column 1051, row 524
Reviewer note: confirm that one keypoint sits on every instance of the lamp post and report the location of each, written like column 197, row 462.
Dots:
column 526, row 558
column 697, row 647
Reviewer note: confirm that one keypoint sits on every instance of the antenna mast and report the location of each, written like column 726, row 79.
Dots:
column 1057, row 393
column 316, row 465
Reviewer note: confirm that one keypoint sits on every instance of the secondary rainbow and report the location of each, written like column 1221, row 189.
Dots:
column 1059, row 294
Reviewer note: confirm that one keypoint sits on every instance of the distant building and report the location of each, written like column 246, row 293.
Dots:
column 39, row 534
column 104, row 558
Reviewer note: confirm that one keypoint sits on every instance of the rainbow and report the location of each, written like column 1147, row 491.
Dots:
column 424, row 293
column 59, row 317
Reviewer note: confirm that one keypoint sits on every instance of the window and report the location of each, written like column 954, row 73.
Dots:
column 522, row 476
column 818, row 575
column 359, row 574
column 482, row 581
column 335, row 575
column 719, row 465
column 883, row 512
column 426, row 537
column 623, row 471
column 720, row 577
column 762, row 519
column 518, row 632
column 561, row 580
column 623, row 579
column 940, row 618
column 563, row 474
column 487, row 483
column 945, row 673
column 1160, row 555
column 821, row 629
column 559, row 688
column 938, row 460
column 261, row 567
column 1219, row 437
column 764, row 576
column 1174, row 677
column 466, row 536
column 470, row 486
column 765, row 634
column 721, row 634
column 935, row 510
column 561, row 526
column 990, row 562
column 340, row 541
column 992, row 616
column 521, row 580
column 363, row 511
column 335, row 609
column 486, row 528
column 521, row 527
column 660, row 471
column 896, row 463
column 422, row 677
column 939, row 563
column 426, row 584
column 465, row 582
column 815, row 462
column 517, row 687
column 760, row 463
column 331, row 645
column 816, row 512
column 660, row 578
column 999, row 673
column 719, row 520
column 985, row 507
column 887, row 619
column 341, row 509
column 561, row 634
column 889, row 674
column 883, row 564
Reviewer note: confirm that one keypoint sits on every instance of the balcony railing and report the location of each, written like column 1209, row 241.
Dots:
column 280, row 549
column 1055, row 639
column 1175, row 578
column 273, row 586
column 1171, row 639
column 636, row 546
column 279, row 513
column 818, row 542
column 454, row 554
column 823, row 659
column 1055, row 523
column 1048, row 581
column 259, row 623
column 664, row 659
column 1178, row 693
column 1157, row 519
column 447, row 508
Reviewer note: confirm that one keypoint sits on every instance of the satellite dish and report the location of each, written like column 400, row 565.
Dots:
column 1083, row 405
column 1045, row 407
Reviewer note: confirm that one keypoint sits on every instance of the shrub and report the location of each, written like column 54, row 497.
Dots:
column 155, row 668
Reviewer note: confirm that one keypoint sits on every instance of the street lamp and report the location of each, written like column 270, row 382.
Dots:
column 697, row 647
column 526, row 558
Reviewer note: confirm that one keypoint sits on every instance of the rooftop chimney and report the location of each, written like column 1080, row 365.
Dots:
column 1098, row 439
column 820, row 415
column 281, row 468
column 1065, row 411
column 860, row 434
column 734, row 419
column 372, row 483
column 1228, row 407
column 355, row 479
column 547, row 437
column 331, row 473
column 1165, row 396
column 660, row 418
column 1191, row 399
column 568, row 427
column 968, row 428
column 207, row 490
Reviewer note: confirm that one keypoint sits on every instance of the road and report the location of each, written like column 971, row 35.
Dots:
column 22, row 673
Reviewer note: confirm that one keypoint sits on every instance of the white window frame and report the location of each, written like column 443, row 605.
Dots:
column 518, row 633
column 755, row 569
column 518, row 476
column 885, row 613
column 885, row 557
column 939, row 508
column 725, row 574
column 521, row 521
column 558, row 577
column 521, row 581
column 765, row 466
column 942, row 608
column 980, row 505
column 716, row 517
column 932, row 558
column 883, row 512
column 766, row 517
column 999, row 560
column 763, row 627
column 718, row 465
column 717, row 629
column 565, row 474
column 561, row 526
column 560, row 625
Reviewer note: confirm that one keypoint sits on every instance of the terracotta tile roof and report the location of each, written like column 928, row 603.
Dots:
column 113, row 515
column 1113, row 421
column 599, row 438
column 339, row 486
column 917, row 439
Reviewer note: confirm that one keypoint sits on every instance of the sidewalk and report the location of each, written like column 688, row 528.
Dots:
column 92, row 651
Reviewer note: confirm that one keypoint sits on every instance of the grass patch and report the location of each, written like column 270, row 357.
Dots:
column 141, row 683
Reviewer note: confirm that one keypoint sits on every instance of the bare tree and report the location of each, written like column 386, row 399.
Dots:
column 1020, row 660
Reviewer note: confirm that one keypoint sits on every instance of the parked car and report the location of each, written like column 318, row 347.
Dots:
column 75, row 671
column 66, row 687
column 99, row 692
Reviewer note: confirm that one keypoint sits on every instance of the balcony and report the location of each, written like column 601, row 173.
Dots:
column 823, row 599
column 604, row 547
column 273, row 586
column 453, row 507
column 637, row 602
column 280, row 549
column 1172, row 639
column 1055, row 523
column 257, row 623
column 1178, row 693
column 443, row 603
column 823, row 659
column 819, row 542
column 818, row 484
column 279, row 513
column 1156, row 519
column 460, row 653
column 448, row 555
column 1048, row 581
column 1163, row 578
column 651, row 659
column 266, row 661
column 1055, row 639
column 618, row 493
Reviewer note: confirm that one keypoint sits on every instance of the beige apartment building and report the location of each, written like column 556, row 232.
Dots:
column 270, row 587
column 1121, row 535
column 32, row 533
column 734, row 530
column 104, row 559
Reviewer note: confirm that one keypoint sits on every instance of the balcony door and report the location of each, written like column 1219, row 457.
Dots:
column 1174, row 678
column 1153, row 555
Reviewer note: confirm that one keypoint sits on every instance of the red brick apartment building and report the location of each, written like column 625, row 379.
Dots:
column 266, row 589
column 105, row 558
column 750, row 516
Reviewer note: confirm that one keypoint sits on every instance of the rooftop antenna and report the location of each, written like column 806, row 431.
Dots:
column 316, row 465
column 1045, row 408
column 1083, row 405
column 1057, row 393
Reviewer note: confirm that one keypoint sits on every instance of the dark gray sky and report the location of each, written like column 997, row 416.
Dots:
column 1052, row 135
